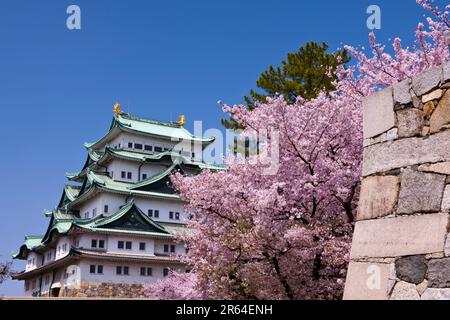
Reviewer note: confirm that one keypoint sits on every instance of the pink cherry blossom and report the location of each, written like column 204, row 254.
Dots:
column 287, row 235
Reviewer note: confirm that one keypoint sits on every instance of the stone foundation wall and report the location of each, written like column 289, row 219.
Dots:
column 401, row 247
column 105, row 290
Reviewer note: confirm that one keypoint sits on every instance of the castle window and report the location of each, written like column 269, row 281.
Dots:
column 138, row 146
column 158, row 149
column 156, row 213
column 128, row 245
column 123, row 174
column 177, row 216
column 49, row 256
column 150, row 212
column 101, row 244
column 142, row 246
column 144, row 176
column 93, row 243
column 93, row 268
column 94, row 212
column 86, row 215
column 64, row 247
column 129, row 175
column 130, row 145
column 165, row 272
column 122, row 270
column 172, row 248
column 166, row 248
column 146, row 272
column 148, row 148
column 120, row 244
column 171, row 215
column 105, row 208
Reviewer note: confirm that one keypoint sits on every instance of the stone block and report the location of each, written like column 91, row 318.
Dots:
column 410, row 122
column 406, row 152
column 436, row 294
column 436, row 94
column 404, row 291
column 420, row 192
column 367, row 281
column 447, row 246
column 439, row 273
column 428, row 109
column 378, row 197
column 401, row 92
column 440, row 168
column 399, row 236
column 441, row 116
column 426, row 81
column 421, row 287
column 446, row 68
column 411, row 269
column 445, row 207
column 378, row 111
column 389, row 135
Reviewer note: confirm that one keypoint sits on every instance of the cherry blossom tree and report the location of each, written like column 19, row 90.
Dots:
column 287, row 235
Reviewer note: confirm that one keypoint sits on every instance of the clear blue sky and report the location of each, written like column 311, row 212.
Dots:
column 159, row 58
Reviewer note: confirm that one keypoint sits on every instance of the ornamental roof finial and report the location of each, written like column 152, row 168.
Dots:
column 117, row 110
column 182, row 120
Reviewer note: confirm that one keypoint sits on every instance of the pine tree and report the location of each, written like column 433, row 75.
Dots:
column 304, row 73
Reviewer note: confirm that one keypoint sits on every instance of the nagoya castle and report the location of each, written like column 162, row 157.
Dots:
column 113, row 228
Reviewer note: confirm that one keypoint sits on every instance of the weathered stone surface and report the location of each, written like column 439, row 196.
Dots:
column 411, row 269
column 425, row 131
column 378, row 197
column 441, row 168
column 426, row 81
column 420, row 192
column 400, row 236
column 436, row 94
column 384, row 137
column 421, row 287
column 428, row 109
column 417, row 102
column 367, row 281
column 439, row 273
column 436, row 294
column 105, row 290
column 436, row 255
column 441, row 116
column 404, row 291
column 447, row 247
column 446, row 67
column 378, row 110
column 389, row 135
column 445, row 207
column 401, row 92
column 410, row 122
column 406, row 152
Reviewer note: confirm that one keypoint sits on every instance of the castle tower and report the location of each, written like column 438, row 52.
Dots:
column 113, row 229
